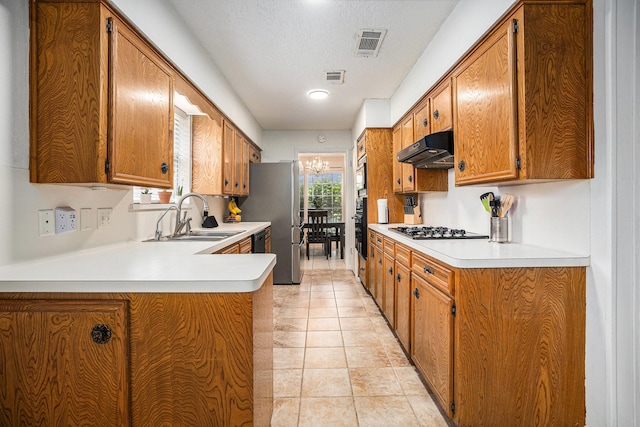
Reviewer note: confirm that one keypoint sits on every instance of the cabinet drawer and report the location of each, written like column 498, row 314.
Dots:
column 403, row 254
column 245, row 245
column 376, row 239
column 389, row 246
column 433, row 272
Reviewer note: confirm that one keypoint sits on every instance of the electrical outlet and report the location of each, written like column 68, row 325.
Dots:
column 66, row 219
column 46, row 222
column 86, row 219
column 104, row 217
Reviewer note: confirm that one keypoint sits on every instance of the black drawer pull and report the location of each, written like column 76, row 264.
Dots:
column 428, row 270
column 416, row 293
column 101, row 334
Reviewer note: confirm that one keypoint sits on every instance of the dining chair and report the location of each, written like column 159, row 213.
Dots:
column 316, row 230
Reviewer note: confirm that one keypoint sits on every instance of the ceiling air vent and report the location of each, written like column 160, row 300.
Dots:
column 369, row 41
column 335, row 77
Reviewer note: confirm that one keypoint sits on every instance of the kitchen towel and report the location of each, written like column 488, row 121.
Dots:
column 383, row 212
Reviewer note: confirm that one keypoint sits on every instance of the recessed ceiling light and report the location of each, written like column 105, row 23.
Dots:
column 318, row 94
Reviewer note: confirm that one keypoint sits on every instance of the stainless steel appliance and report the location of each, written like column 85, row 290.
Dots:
column 361, row 177
column 434, row 151
column 275, row 197
column 436, row 233
column 360, row 218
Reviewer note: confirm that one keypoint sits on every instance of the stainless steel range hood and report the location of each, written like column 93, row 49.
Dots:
column 434, row 151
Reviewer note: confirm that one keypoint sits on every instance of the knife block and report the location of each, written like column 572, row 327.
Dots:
column 415, row 217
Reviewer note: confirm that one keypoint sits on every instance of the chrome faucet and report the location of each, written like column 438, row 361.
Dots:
column 184, row 221
column 158, row 234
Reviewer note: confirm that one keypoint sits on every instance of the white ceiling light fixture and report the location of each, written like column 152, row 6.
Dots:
column 318, row 94
column 369, row 41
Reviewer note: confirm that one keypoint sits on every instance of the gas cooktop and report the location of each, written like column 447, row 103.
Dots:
column 435, row 233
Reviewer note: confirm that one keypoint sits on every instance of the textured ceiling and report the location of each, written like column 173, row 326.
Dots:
column 273, row 52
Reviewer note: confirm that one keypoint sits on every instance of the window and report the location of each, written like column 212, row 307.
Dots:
column 324, row 191
column 181, row 158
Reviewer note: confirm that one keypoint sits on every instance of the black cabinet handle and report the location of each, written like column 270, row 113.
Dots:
column 164, row 168
column 237, row 185
column 416, row 293
column 101, row 334
column 410, row 178
column 462, row 165
column 226, row 182
column 398, row 277
column 398, row 181
column 436, row 114
column 425, row 122
column 380, row 261
column 428, row 270
column 390, row 270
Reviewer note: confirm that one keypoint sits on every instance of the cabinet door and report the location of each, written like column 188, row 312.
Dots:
column 237, row 163
column 246, row 155
column 403, row 305
column 206, row 155
column 422, row 120
column 432, row 349
column 140, row 137
column 441, row 108
column 397, row 166
column 228, row 141
column 379, row 290
column 371, row 268
column 53, row 372
column 408, row 171
column 485, row 112
column 388, row 284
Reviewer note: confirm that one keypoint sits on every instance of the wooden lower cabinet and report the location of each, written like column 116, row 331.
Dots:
column 172, row 359
column 432, row 339
column 497, row 346
column 389, row 284
column 378, row 287
column 53, row 372
column 403, row 300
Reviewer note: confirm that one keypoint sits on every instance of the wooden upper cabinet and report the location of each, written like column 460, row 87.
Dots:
column 523, row 99
column 206, row 155
column 255, row 154
column 58, row 367
column 485, row 116
column 422, row 120
column 246, row 159
column 101, row 100
column 361, row 146
column 408, row 175
column 441, row 107
column 228, row 148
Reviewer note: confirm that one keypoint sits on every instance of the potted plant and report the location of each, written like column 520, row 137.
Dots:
column 145, row 196
column 164, row 196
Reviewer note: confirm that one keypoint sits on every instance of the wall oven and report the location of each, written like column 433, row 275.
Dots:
column 361, row 176
column 360, row 218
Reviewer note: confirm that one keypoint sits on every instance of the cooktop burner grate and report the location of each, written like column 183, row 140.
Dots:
column 436, row 233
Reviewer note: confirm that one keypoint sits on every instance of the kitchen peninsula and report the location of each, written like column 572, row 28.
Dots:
column 142, row 333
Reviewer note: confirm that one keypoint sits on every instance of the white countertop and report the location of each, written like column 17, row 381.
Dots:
column 173, row 266
column 480, row 253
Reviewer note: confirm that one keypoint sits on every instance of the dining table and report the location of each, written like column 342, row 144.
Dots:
column 337, row 227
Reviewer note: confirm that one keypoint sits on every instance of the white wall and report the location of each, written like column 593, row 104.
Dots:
column 22, row 200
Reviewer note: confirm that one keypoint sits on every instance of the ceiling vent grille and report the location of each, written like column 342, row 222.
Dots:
column 336, row 77
column 369, row 42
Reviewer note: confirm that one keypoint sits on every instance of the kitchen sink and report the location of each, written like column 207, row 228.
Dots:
column 199, row 235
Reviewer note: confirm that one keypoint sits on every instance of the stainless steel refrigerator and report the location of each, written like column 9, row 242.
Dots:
column 274, row 195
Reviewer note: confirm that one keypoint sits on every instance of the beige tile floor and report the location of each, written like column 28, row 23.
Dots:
column 336, row 363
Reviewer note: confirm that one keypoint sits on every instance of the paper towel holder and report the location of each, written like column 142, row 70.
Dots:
column 383, row 211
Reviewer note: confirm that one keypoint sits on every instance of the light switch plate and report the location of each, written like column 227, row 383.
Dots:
column 104, row 217
column 86, row 219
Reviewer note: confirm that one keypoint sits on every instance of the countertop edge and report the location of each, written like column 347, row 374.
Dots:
column 519, row 255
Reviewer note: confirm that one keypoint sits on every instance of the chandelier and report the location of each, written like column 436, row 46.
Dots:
column 317, row 166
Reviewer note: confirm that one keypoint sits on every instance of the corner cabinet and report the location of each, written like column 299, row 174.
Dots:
column 101, row 99
column 523, row 98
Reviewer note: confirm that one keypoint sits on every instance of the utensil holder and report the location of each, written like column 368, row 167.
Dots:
column 499, row 230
